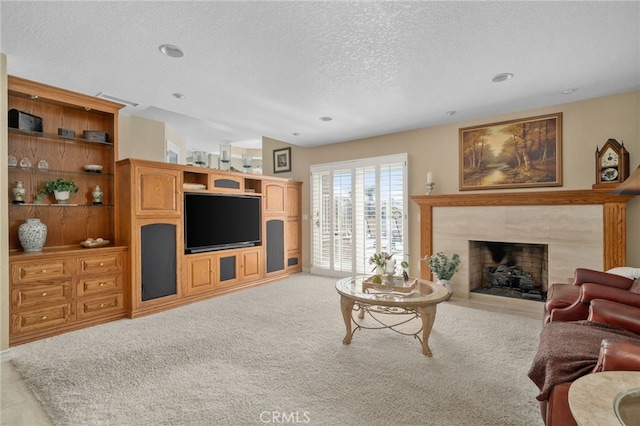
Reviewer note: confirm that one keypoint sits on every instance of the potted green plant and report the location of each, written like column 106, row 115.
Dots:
column 443, row 267
column 60, row 188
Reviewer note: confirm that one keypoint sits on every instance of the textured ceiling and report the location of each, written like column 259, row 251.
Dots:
column 253, row 69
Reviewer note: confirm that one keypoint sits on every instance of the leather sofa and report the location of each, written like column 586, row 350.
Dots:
column 608, row 340
column 567, row 303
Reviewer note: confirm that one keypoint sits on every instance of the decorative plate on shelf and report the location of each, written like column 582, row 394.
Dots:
column 43, row 165
column 12, row 161
column 91, row 243
column 25, row 163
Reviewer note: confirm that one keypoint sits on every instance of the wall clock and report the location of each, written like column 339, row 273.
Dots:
column 612, row 164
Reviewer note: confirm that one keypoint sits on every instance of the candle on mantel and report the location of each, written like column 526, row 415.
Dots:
column 225, row 155
column 429, row 177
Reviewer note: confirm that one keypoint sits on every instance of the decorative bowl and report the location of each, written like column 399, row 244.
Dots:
column 91, row 243
column 627, row 406
column 93, row 168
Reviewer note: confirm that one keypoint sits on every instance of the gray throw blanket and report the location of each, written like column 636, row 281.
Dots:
column 569, row 350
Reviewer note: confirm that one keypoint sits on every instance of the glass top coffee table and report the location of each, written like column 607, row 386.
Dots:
column 417, row 299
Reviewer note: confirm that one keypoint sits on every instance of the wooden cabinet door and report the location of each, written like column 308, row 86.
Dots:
column 274, row 197
column 274, row 247
column 226, row 183
column 201, row 275
column 251, row 264
column 158, row 192
column 294, row 226
column 228, row 268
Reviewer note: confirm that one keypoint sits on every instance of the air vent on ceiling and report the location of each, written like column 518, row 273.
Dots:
column 116, row 99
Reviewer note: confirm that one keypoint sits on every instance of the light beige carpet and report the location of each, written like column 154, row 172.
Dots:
column 274, row 355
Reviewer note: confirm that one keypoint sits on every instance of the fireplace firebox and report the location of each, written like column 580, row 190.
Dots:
column 508, row 269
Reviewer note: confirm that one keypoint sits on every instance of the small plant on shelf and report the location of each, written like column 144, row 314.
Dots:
column 53, row 186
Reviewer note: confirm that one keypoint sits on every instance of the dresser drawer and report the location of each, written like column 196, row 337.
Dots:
column 33, row 295
column 98, row 285
column 100, row 263
column 43, row 270
column 98, row 306
column 40, row 319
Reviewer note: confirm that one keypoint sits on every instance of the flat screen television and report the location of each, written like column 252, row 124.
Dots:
column 217, row 222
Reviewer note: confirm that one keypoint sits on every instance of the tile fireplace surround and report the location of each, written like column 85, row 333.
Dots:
column 582, row 228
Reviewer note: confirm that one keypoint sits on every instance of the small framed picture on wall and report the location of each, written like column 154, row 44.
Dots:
column 282, row 160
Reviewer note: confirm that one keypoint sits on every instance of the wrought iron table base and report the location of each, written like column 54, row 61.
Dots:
column 426, row 313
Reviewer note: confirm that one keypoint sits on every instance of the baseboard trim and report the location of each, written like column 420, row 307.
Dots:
column 5, row 356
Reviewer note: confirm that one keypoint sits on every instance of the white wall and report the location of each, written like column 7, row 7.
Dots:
column 141, row 138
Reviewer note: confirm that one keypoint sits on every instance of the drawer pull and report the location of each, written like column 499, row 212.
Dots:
column 102, row 305
column 102, row 284
column 44, row 271
column 44, row 318
column 101, row 263
column 44, row 294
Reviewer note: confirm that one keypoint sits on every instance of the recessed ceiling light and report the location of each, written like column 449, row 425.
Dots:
column 172, row 51
column 502, row 77
column 179, row 96
column 326, row 118
column 569, row 91
column 295, row 134
column 450, row 113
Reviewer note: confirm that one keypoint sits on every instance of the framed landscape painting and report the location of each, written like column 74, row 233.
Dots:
column 520, row 153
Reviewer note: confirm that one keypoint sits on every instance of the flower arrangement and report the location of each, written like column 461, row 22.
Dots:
column 384, row 261
column 443, row 267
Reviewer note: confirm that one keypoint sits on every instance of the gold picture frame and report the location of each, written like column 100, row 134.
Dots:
column 523, row 153
column 282, row 160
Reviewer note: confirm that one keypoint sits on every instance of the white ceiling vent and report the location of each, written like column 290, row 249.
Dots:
column 116, row 99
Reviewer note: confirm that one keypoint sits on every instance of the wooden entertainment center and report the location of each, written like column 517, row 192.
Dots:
column 150, row 213
column 66, row 286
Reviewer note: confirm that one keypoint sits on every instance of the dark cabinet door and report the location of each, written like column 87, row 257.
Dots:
column 159, row 269
column 275, row 245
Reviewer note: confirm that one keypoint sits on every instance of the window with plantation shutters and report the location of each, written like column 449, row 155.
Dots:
column 358, row 208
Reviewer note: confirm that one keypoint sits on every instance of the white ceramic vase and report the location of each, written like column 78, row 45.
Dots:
column 447, row 285
column 97, row 195
column 32, row 235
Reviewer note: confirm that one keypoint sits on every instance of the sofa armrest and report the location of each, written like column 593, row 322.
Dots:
column 618, row 314
column 589, row 292
column 584, row 275
column 579, row 310
column 618, row 356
